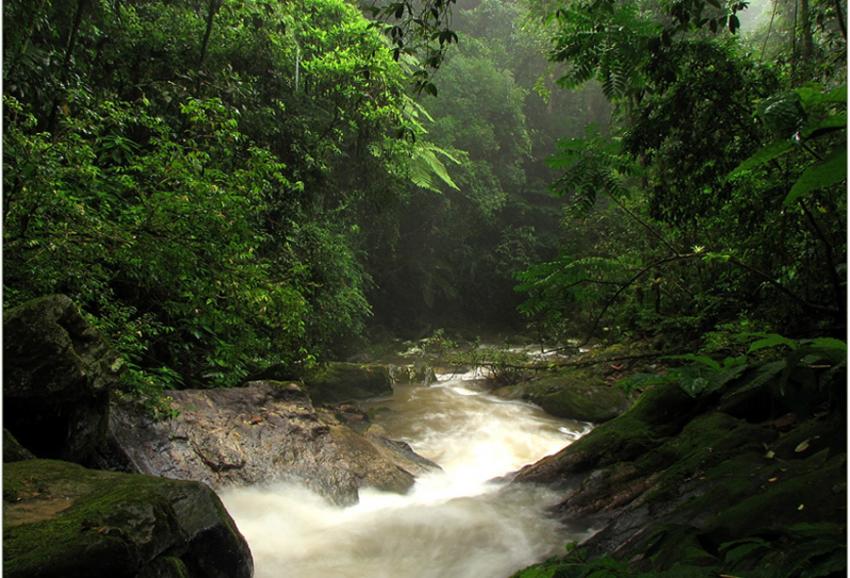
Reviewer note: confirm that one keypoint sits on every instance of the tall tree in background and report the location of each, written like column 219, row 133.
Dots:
column 733, row 175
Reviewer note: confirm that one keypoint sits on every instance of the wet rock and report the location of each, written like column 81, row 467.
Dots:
column 12, row 450
column 262, row 433
column 57, row 374
column 401, row 453
column 412, row 374
column 61, row 520
column 573, row 394
column 674, row 481
column 337, row 382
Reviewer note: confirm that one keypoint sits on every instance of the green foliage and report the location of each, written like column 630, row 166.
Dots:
column 491, row 217
column 712, row 150
column 163, row 247
column 803, row 119
column 704, row 374
column 197, row 179
column 590, row 166
column 832, row 171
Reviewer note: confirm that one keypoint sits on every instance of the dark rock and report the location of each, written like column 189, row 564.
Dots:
column 12, row 450
column 573, row 394
column 674, row 481
column 61, row 520
column 659, row 413
column 337, row 382
column 261, row 433
column 57, row 374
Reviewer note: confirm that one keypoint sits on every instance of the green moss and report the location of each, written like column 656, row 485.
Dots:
column 338, row 382
column 166, row 567
column 12, row 450
column 576, row 393
column 92, row 525
column 808, row 491
column 61, row 519
column 708, row 440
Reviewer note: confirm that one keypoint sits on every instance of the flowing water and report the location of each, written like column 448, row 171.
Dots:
column 454, row 523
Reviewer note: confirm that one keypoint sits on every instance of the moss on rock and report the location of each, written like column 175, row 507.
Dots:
column 60, row 519
column 682, row 488
column 12, row 450
column 57, row 374
column 576, row 393
column 337, row 382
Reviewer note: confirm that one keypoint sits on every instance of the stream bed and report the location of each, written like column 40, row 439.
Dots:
column 453, row 523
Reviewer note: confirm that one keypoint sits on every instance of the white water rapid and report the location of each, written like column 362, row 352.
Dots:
column 452, row 524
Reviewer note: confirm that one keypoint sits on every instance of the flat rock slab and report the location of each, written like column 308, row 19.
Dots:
column 61, row 520
column 265, row 432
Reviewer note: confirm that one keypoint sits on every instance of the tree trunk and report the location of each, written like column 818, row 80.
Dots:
column 66, row 61
column 213, row 9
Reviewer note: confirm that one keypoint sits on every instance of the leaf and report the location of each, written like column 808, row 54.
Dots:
column 772, row 340
column 831, row 171
column 827, row 343
column 762, row 156
column 741, row 551
column 823, row 126
column 424, row 165
column 801, row 447
column 814, row 94
column 765, row 373
column 701, row 359
column 734, row 24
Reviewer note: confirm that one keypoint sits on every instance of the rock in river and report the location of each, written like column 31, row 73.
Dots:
column 572, row 393
column 57, row 374
column 61, row 520
column 265, row 432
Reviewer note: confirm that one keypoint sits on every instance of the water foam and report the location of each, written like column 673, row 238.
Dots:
column 453, row 523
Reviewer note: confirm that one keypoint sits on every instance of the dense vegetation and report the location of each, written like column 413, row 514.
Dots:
column 234, row 189
column 197, row 175
column 223, row 185
column 720, row 190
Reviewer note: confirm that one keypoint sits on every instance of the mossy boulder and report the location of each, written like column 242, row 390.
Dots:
column 12, row 450
column 61, row 520
column 338, row 382
column 57, row 374
column 676, row 486
column 574, row 394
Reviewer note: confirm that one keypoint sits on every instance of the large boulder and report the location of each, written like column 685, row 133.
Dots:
column 574, row 394
column 61, row 520
column 336, row 382
column 57, row 374
column 13, row 451
column 264, row 432
column 680, row 484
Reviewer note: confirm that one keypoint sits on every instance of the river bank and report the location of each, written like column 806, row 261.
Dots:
column 734, row 466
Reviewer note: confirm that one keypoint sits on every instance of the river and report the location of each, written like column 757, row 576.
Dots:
column 454, row 523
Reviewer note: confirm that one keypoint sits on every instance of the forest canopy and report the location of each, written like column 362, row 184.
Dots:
column 223, row 185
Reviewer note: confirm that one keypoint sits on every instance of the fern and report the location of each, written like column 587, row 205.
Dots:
column 590, row 166
column 427, row 170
